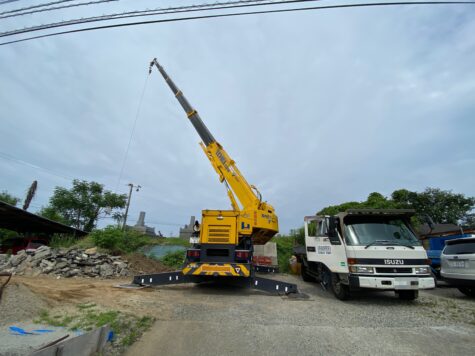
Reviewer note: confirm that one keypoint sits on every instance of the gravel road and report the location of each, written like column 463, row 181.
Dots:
column 219, row 320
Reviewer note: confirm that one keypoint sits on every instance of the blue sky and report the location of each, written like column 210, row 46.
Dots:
column 317, row 108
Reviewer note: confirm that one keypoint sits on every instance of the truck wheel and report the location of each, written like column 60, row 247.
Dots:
column 341, row 291
column 408, row 294
column 305, row 276
column 468, row 291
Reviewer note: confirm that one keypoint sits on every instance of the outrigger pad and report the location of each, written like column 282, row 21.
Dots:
column 161, row 278
column 272, row 286
column 131, row 286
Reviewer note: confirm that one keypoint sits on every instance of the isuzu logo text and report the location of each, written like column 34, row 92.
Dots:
column 393, row 262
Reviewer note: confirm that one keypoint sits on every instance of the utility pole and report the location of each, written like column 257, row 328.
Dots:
column 137, row 188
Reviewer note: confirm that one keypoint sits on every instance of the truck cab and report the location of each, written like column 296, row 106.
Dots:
column 365, row 248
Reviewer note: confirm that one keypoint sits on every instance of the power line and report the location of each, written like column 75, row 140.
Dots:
column 301, row 9
column 38, row 8
column 7, row 1
column 9, row 157
column 158, row 11
column 148, row 222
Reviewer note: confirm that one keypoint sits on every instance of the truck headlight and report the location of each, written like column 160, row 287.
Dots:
column 361, row 269
column 422, row 270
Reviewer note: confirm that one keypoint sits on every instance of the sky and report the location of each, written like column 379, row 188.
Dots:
column 317, row 108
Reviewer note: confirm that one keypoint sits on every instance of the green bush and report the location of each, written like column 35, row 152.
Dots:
column 173, row 259
column 118, row 241
column 285, row 246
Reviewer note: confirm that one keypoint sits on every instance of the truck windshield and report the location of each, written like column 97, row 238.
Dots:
column 377, row 231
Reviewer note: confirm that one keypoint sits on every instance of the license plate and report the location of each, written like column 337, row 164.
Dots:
column 457, row 264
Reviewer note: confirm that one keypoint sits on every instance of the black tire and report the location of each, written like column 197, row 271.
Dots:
column 341, row 291
column 408, row 294
column 305, row 276
column 468, row 291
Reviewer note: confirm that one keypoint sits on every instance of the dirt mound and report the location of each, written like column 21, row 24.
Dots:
column 140, row 264
column 20, row 303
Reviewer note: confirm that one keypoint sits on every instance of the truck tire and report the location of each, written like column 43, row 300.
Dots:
column 468, row 291
column 305, row 276
column 408, row 294
column 341, row 291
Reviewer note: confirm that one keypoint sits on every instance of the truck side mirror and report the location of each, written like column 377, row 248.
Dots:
column 333, row 231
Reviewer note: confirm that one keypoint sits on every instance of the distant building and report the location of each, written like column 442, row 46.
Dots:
column 187, row 230
column 142, row 228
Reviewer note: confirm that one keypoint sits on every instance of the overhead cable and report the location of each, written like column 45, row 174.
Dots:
column 301, row 9
column 7, row 1
column 158, row 11
column 39, row 8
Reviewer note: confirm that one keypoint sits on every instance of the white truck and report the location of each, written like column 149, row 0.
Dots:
column 365, row 248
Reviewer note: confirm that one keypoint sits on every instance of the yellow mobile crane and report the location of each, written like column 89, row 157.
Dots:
column 226, row 237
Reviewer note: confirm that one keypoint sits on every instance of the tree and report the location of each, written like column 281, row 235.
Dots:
column 51, row 213
column 30, row 195
column 82, row 205
column 442, row 206
column 8, row 198
column 374, row 201
column 12, row 200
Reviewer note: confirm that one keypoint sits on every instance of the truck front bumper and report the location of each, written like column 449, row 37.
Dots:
column 391, row 283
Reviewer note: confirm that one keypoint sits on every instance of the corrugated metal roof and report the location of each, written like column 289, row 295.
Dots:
column 16, row 219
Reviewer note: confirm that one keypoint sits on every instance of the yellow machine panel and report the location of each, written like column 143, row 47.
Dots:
column 219, row 227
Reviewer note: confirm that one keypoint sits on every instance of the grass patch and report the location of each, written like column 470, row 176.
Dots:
column 86, row 306
column 57, row 320
column 58, row 241
column 85, row 243
column 127, row 328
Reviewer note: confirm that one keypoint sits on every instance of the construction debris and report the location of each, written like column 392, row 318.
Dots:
column 65, row 263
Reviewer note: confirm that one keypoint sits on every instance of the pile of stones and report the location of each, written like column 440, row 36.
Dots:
column 64, row 263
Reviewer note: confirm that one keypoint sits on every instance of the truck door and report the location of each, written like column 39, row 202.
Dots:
column 330, row 252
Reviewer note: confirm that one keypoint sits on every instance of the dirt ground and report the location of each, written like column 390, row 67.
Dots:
column 222, row 319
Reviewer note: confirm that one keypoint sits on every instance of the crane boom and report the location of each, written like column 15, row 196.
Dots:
column 192, row 114
column 220, row 160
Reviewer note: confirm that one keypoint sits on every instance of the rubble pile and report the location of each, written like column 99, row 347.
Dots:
column 65, row 263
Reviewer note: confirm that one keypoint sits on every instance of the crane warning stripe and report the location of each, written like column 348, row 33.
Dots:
column 237, row 270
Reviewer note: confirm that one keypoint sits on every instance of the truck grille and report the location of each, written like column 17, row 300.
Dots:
column 393, row 270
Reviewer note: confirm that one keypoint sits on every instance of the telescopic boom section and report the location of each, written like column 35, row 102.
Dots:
column 220, row 160
column 192, row 114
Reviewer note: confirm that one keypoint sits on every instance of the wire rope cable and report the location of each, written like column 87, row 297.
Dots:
column 137, row 114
